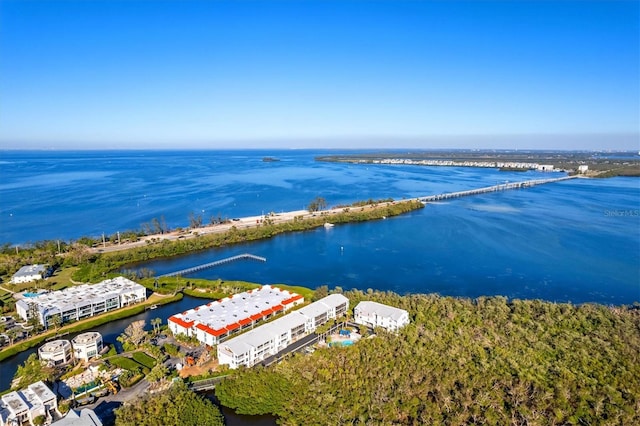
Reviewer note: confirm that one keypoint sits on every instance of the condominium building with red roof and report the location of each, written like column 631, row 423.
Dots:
column 216, row 321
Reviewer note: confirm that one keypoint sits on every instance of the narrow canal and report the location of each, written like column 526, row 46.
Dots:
column 109, row 331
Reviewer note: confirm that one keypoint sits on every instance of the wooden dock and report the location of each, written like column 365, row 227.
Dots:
column 214, row 264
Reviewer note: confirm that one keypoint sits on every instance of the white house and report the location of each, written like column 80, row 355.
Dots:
column 87, row 345
column 255, row 345
column 30, row 273
column 583, row 168
column 375, row 314
column 83, row 301
column 56, row 352
column 27, row 404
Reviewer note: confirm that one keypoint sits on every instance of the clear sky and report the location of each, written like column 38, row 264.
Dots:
column 358, row 74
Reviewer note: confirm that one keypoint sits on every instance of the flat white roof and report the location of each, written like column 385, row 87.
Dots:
column 42, row 391
column 54, row 346
column 32, row 397
column 86, row 338
column 219, row 314
column 369, row 308
column 85, row 294
column 29, row 270
column 332, row 301
column 241, row 346
column 261, row 335
column 14, row 402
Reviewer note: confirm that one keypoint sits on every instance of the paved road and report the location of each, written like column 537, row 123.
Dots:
column 104, row 406
column 294, row 347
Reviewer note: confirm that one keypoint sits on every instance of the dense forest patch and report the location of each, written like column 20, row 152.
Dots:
column 175, row 406
column 461, row 361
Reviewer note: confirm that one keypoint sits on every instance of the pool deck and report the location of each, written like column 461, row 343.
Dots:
column 337, row 339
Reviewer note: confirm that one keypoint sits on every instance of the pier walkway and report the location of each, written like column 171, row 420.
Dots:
column 214, row 264
column 494, row 188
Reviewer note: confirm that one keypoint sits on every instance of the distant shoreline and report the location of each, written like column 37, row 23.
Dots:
column 546, row 161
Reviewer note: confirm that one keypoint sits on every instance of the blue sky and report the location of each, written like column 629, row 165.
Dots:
column 221, row 74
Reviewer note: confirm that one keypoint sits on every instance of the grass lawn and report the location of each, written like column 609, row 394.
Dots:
column 59, row 280
column 5, row 296
column 305, row 292
column 144, row 359
column 127, row 364
column 62, row 278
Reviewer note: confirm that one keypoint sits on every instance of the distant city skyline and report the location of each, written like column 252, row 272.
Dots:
column 352, row 74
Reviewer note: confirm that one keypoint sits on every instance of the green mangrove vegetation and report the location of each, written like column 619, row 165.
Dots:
column 174, row 406
column 461, row 361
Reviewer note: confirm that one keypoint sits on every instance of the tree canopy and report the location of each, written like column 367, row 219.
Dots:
column 176, row 406
column 461, row 361
column 317, row 204
column 32, row 371
column 133, row 335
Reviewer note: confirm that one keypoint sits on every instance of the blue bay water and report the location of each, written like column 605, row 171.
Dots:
column 575, row 241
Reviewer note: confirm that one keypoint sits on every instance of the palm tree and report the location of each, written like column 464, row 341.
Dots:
column 56, row 321
column 156, row 323
column 12, row 333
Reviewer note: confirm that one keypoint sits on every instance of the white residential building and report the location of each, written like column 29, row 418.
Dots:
column 87, row 345
column 255, row 345
column 375, row 314
column 56, row 352
column 29, row 273
column 83, row 301
column 216, row 321
column 27, row 404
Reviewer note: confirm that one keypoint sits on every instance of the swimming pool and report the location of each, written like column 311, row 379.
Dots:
column 341, row 343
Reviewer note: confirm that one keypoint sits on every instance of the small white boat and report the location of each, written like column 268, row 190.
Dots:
column 153, row 307
column 328, row 225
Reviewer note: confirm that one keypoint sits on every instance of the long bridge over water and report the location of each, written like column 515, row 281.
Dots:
column 494, row 188
column 214, row 264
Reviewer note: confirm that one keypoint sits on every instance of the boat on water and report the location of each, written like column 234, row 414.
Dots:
column 153, row 307
column 328, row 225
